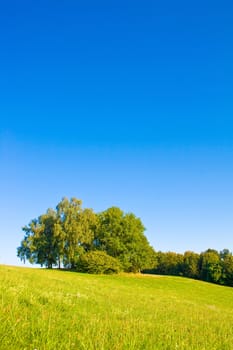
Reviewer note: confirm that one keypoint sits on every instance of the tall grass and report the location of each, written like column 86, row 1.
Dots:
column 52, row 310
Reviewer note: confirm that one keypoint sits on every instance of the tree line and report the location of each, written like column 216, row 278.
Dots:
column 111, row 241
column 210, row 266
column 82, row 240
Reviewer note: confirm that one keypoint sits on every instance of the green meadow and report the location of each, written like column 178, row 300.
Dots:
column 56, row 310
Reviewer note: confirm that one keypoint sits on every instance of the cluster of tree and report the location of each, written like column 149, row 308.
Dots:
column 82, row 240
column 210, row 266
column 109, row 242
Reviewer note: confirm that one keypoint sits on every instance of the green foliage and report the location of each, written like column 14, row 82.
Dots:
column 98, row 262
column 69, row 213
column 210, row 266
column 65, row 236
column 227, row 267
column 76, row 229
column 122, row 236
column 80, row 239
column 169, row 263
column 191, row 264
column 40, row 245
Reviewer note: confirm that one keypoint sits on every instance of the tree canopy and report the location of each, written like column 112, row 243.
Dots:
column 67, row 235
column 77, row 238
column 210, row 265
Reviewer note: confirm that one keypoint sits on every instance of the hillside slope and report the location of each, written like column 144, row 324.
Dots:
column 46, row 309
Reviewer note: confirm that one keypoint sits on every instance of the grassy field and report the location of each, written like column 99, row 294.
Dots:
column 51, row 310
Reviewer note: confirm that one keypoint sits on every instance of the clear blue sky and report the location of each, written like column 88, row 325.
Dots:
column 125, row 103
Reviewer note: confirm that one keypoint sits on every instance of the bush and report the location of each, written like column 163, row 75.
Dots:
column 98, row 262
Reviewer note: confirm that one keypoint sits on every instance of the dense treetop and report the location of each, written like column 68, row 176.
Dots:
column 111, row 241
column 62, row 237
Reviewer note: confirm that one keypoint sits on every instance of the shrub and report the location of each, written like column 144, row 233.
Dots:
column 98, row 262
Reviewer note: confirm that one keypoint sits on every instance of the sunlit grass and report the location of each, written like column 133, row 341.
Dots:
column 42, row 309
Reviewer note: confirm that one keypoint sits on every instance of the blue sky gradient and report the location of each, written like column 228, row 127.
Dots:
column 125, row 103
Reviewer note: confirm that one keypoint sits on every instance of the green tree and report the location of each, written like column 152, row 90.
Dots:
column 210, row 266
column 227, row 267
column 138, row 254
column 63, row 237
column 39, row 244
column 76, row 229
column 122, row 236
column 169, row 263
column 191, row 264
column 59, row 237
